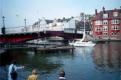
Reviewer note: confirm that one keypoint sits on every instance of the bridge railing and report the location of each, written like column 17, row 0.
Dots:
column 14, row 30
column 36, row 28
column 23, row 29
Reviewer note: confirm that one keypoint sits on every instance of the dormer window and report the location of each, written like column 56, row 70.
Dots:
column 105, row 15
column 115, row 14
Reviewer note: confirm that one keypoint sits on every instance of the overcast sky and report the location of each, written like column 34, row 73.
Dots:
column 16, row 11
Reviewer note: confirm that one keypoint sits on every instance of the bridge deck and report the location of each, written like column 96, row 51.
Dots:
column 22, row 37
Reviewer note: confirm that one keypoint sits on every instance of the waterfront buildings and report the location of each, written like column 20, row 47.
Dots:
column 107, row 24
column 54, row 25
column 66, row 25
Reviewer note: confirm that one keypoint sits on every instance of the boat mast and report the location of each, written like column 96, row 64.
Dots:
column 75, row 28
column 84, row 33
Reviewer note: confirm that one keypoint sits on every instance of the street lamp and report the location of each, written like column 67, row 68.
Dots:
column 3, row 28
column 25, row 25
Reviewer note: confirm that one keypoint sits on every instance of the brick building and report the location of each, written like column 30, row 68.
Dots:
column 107, row 24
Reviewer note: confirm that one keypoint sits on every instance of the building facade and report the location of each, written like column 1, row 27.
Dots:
column 107, row 24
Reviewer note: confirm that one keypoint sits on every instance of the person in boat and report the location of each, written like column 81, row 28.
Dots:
column 34, row 75
column 12, row 71
column 62, row 75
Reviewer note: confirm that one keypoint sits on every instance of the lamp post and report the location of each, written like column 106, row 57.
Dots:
column 25, row 25
column 3, row 28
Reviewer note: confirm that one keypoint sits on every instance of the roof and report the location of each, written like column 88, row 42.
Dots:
column 99, row 16
column 80, row 25
column 49, row 21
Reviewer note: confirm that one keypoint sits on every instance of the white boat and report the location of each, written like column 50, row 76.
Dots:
column 82, row 42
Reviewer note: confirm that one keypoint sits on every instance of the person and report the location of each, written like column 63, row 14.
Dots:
column 62, row 75
column 12, row 71
column 34, row 75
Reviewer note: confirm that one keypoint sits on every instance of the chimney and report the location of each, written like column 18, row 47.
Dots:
column 95, row 11
column 115, row 9
column 103, row 9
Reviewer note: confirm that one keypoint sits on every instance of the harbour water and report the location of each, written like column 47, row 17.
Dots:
column 102, row 62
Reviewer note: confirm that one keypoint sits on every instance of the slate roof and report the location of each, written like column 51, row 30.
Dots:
column 49, row 21
column 99, row 16
column 80, row 25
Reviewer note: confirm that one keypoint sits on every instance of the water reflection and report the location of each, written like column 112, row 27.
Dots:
column 45, row 63
column 102, row 61
column 107, row 57
column 84, row 52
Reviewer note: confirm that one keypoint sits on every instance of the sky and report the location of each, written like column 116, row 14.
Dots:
column 16, row 11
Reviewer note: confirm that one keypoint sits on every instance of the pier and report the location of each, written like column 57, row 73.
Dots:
column 37, row 47
column 55, row 48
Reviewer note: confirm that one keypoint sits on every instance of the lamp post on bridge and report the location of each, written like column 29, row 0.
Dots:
column 3, row 28
column 25, row 25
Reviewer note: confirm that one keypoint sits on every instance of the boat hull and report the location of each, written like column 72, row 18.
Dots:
column 77, row 44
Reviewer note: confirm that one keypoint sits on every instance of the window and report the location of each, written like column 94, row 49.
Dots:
column 105, row 22
column 115, row 27
column 98, row 29
column 115, row 33
column 116, row 21
column 98, row 22
column 105, row 28
column 105, row 33
column 105, row 15
column 115, row 14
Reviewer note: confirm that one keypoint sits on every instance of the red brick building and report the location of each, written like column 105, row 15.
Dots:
column 107, row 24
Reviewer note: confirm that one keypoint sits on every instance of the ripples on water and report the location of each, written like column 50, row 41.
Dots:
column 102, row 62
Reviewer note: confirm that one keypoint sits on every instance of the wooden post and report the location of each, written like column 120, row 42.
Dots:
column 35, row 50
column 72, row 49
